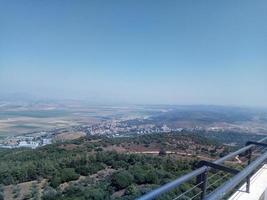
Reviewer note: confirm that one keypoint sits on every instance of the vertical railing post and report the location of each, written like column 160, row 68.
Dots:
column 249, row 153
column 204, row 177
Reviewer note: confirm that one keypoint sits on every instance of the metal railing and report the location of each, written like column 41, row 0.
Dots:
column 202, row 175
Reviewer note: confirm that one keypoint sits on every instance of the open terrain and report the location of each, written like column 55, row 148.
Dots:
column 22, row 118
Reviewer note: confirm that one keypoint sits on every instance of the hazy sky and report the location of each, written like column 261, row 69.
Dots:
column 136, row 51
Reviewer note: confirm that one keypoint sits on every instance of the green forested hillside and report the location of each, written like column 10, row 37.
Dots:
column 87, row 169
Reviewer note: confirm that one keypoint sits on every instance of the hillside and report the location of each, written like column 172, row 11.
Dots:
column 100, row 167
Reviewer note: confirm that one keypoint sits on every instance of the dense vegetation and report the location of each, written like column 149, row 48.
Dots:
column 91, row 171
column 229, row 137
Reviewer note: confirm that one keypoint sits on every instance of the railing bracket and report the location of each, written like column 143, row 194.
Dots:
column 217, row 166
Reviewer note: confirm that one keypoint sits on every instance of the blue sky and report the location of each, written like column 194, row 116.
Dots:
column 136, row 51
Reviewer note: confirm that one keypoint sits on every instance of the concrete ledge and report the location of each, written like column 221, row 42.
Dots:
column 258, row 187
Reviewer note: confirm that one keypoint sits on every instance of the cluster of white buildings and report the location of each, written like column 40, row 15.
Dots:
column 123, row 127
column 24, row 141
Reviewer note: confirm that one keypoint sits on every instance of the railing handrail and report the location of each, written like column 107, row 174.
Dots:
column 233, row 182
column 176, row 183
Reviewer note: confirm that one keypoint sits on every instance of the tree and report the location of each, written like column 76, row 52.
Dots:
column 55, row 181
column 49, row 194
column 122, row 179
column 68, row 174
column 162, row 152
column 95, row 194
column 131, row 190
column 152, row 177
column 139, row 175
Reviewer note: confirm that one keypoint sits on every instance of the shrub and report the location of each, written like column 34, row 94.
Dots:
column 152, row 177
column 68, row 174
column 55, row 181
column 139, row 175
column 131, row 190
column 162, row 152
column 49, row 194
column 122, row 179
column 95, row 194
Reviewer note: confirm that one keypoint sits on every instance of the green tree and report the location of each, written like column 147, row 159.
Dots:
column 95, row 194
column 162, row 152
column 139, row 175
column 152, row 177
column 49, row 194
column 55, row 181
column 68, row 174
column 122, row 179
column 131, row 190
